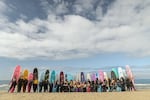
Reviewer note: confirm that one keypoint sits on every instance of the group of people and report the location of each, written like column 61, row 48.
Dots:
column 109, row 85
column 106, row 85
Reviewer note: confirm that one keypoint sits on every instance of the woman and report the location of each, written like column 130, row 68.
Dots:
column 46, row 82
column 88, row 88
column 84, row 87
column 71, row 88
column 65, row 86
column 113, row 85
column 20, row 83
column 13, row 84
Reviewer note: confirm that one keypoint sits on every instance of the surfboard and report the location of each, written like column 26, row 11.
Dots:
column 41, row 78
column 78, row 77
column 96, row 75
column 113, row 76
column 25, row 74
column 61, row 77
column 82, row 77
column 101, row 76
column 114, row 73
column 46, row 76
column 120, row 73
column 30, row 77
column 93, row 78
column 129, row 72
column 65, row 77
column 57, row 77
column 15, row 75
column 130, row 75
column 35, row 76
column 52, row 76
column 30, row 80
column 88, row 76
column 35, row 79
column 105, row 76
column 124, row 73
column 69, row 77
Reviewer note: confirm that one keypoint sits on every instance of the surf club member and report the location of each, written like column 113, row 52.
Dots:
column 46, row 82
column 66, row 87
column 13, row 84
column 122, row 82
column 56, row 86
column 78, row 87
column 99, row 87
column 20, row 83
column 25, row 82
column 41, row 81
column 113, row 85
column 128, row 84
column 132, row 88
column 81, row 86
column 35, row 80
column 104, row 86
column 71, row 88
column 61, row 86
column 75, row 86
column 88, row 88
column 118, row 85
column 109, row 84
column 30, row 83
column 84, row 86
column 96, row 84
column 50, row 87
column 92, row 87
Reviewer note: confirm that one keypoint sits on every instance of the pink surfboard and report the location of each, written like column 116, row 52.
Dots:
column 101, row 76
column 30, row 79
column 130, row 75
column 15, row 75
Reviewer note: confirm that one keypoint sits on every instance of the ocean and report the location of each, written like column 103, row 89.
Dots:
column 4, row 85
column 140, row 84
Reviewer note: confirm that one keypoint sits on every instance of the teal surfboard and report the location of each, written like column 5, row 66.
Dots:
column 114, row 73
column 52, row 76
column 70, row 77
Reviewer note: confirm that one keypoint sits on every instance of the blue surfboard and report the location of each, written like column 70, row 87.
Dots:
column 82, row 77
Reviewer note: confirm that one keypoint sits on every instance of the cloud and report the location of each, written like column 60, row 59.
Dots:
column 123, row 27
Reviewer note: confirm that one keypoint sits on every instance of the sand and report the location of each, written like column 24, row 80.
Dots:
column 138, row 95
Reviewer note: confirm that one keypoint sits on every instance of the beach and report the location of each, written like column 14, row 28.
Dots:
column 137, row 95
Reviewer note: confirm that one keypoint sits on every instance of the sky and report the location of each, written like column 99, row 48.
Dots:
column 75, row 35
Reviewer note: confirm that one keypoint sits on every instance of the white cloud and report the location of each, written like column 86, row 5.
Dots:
column 124, row 28
column 3, row 6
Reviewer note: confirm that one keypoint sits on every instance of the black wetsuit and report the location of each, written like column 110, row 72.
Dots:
column 30, row 85
column 19, row 85
column 40, row 86
column 25, row 82
column 13, row 85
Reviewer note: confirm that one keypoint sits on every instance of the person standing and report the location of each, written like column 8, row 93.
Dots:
column 46, row 81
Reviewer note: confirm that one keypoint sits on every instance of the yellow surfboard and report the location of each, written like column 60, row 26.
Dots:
column 25, row 74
